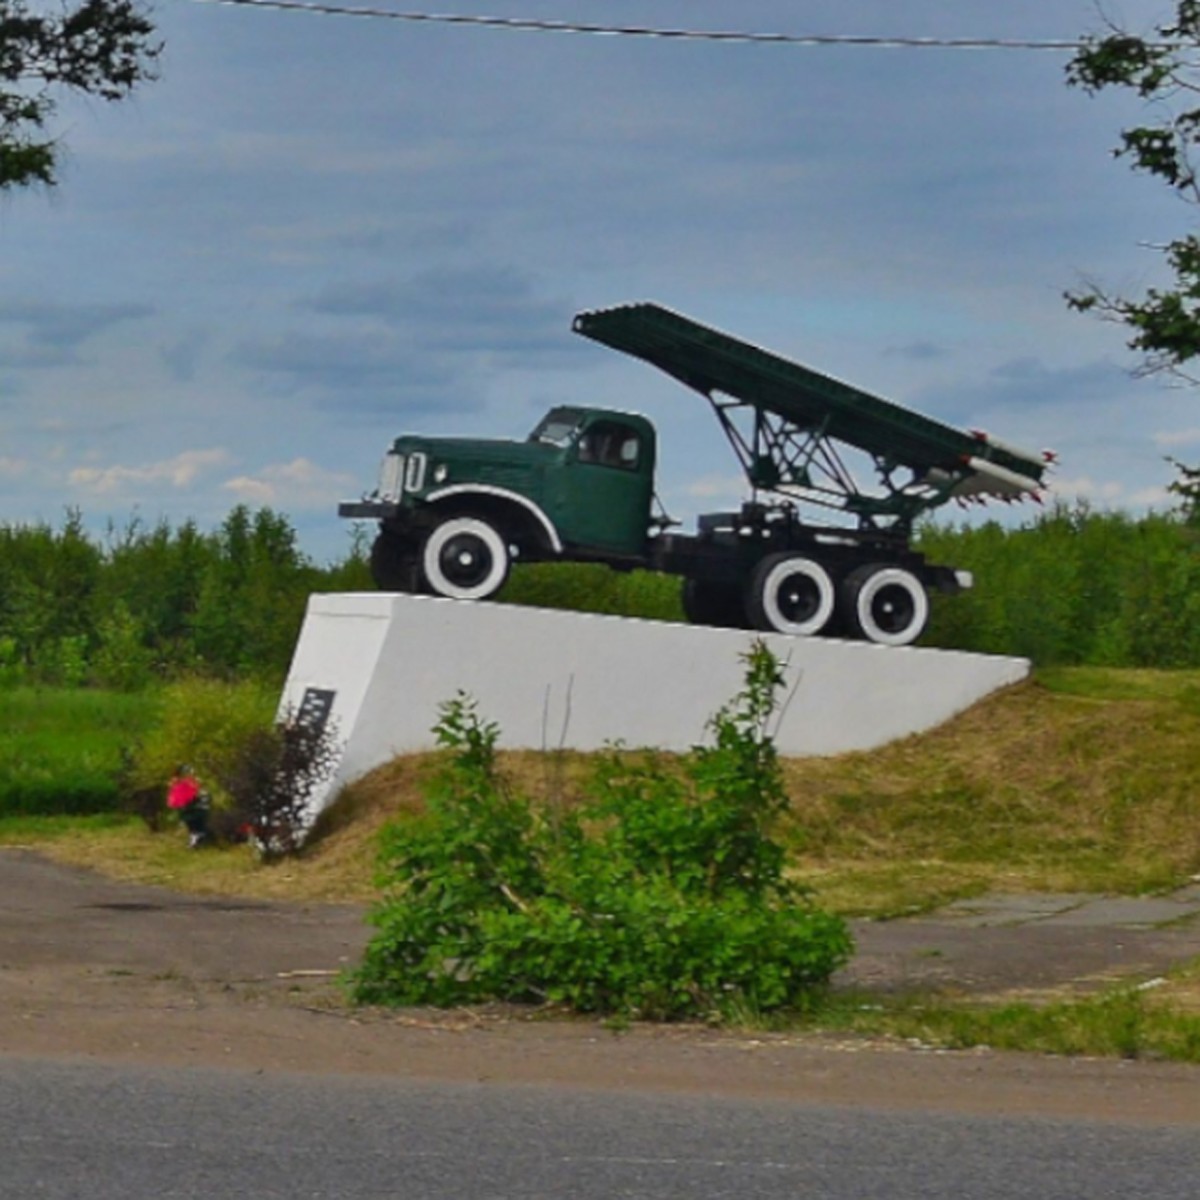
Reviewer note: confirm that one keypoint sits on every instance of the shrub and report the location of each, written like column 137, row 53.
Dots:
column 141, row 800
column 592, row 587
column 261, row 773
column 203, row 723
column 121, row 660
column 662, row 895
column 272, row 780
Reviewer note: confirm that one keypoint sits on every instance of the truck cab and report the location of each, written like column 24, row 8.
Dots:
column 600, row 491
column 455, row 512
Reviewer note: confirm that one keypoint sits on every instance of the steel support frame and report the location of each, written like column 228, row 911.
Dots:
column 808, row 467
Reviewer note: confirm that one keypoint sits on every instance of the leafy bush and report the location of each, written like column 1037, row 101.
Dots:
column 592, row 587
column 272, row 780
column 206, row 724
column 662, row 895
column 261, row 773
column 1074, row 587
column 121, row 660
column 139, row 799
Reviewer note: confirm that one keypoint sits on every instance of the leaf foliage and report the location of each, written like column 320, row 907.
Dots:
column 1161, row 69
column 102, row 48
column 662, row 895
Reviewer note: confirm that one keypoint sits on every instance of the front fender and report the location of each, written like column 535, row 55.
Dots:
column 461, row 490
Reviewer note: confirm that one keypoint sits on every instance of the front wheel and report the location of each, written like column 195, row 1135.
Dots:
column 790, row 594
column 885, row 605
column 394, row 563
column 465, row 558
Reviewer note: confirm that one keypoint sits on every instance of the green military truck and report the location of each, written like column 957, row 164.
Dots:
column 455, row 513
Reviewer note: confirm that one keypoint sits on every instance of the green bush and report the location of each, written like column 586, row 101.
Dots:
column 157, row 601
column 592, row 587
column 1073, row 588
column 122, row 660
column 662, row 895
column 272, row 780
column 206, row 724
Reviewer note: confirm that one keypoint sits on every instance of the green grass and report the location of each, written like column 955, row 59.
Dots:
column 1123, row 1022
column 1107, row 683
column 60, row 749
column 43, row 830
column 1084, row 780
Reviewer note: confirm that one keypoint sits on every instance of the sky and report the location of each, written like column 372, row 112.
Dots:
column 314, row 233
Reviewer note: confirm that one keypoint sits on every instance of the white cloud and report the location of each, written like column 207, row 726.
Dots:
column 708, row 486
column 1113, row 493
column 1151, row 497
column 12, row 467
column 1086, row 489
column 181, row 471
column 299, row 485
column 1177, row 437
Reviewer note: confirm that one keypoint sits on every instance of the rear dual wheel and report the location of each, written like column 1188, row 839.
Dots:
column 791, row 594
column 885, row 605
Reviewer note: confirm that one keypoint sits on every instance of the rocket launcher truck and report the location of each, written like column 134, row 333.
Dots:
column 454, row 514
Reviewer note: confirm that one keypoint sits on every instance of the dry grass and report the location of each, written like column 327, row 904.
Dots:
column 1092, row 783
column 1084, row 781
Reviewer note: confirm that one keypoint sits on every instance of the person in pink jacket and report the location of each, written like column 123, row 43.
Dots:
column 186, row 797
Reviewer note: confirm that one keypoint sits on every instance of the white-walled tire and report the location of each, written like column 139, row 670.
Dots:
column 465, row 558
column 790, row 594
column 886, row 605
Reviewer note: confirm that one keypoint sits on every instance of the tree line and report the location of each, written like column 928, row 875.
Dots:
column 1074, row 587
column 156, row 601
column 150, row 602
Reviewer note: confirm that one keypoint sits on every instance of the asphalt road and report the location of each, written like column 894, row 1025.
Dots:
column 154, row 1044
column 101, row 1132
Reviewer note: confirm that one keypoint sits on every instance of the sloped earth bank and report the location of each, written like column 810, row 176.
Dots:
column 91, row 969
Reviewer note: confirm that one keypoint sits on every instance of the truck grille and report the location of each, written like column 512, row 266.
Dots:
column 391, row 477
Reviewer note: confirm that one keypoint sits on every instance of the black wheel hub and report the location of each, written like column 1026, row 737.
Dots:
column 465, row 560
column 892, row 609
column 798, row 599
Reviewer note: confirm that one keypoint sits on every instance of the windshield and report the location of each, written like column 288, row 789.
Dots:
column 556, row 428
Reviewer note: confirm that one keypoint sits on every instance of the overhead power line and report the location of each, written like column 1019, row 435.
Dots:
column 529, row 24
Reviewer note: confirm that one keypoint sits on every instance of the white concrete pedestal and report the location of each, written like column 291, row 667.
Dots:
column 378, row 665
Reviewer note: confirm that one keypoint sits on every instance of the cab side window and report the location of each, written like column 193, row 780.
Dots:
column 610, row 444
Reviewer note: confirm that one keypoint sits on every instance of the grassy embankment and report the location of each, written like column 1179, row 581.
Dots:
column 1082, row 780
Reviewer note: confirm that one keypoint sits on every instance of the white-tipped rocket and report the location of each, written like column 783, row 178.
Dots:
column 987, row 479
column 1006, row 482
column 1037, row 458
